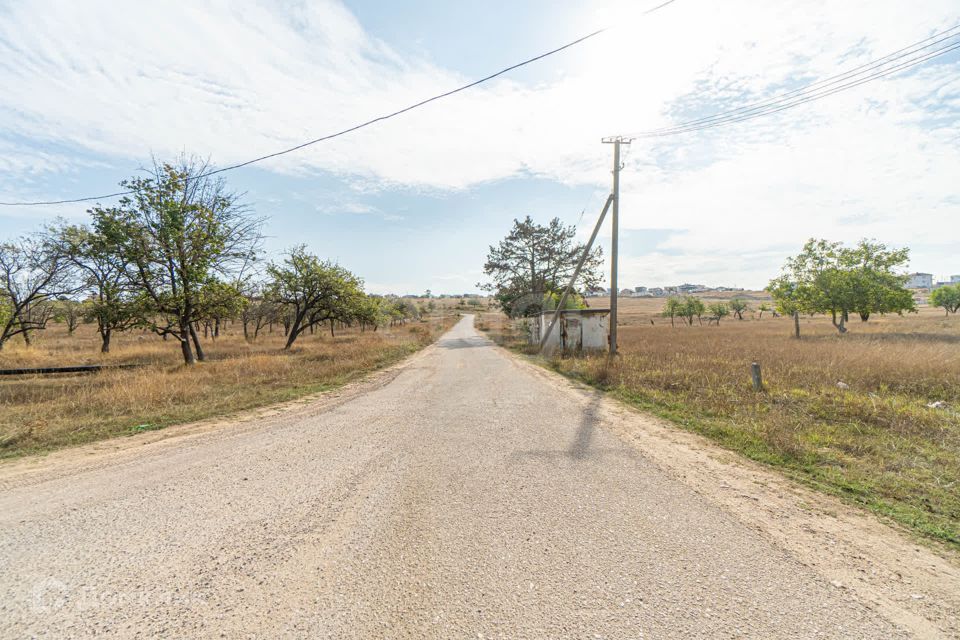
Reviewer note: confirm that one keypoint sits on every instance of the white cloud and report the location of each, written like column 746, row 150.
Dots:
column 240, row 79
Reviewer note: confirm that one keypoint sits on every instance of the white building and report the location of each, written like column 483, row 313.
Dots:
column 919, row 281
column 576, row 330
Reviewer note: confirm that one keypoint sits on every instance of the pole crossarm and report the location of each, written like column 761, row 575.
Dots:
column 576, row 272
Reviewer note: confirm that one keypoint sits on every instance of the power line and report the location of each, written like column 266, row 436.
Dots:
column 362, row 125
column 915, row 54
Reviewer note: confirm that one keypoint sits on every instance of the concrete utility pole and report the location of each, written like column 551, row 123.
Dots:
column 615, row 239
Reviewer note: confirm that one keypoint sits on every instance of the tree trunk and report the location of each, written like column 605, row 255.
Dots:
column 864, row 316
column 201, row 356
column 840, row 326
column 796, row 325
column 331, row 329
column 294, row 330
column 105, row 340
column 185, row 343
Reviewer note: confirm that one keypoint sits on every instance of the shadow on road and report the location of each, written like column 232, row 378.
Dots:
column 463, row 343
column 580, row 448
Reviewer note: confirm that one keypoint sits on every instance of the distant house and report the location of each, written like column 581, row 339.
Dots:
column 954, row 279
column 919, row 281
column 640, row 290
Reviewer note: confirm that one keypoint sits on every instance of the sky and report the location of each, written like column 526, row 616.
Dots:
column 92, row 91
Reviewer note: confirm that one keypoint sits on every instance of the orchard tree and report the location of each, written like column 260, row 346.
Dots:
column 178, row 232
column 692, row 307
column 534, row 261
column 762, row 308
column 738, row 306
column 33, row 272
column 68, row 311
column 719, row 310
column 947, row 297
column 672, row 308
column 827, row 277
column 315, row 291
column 102, row 272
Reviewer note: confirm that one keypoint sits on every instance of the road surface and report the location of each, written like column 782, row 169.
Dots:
column 464, row 498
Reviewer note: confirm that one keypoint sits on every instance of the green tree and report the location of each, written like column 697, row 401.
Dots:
column 763, row 308
column 738, row 306
column 719, row 310
column 552, row 299
column 102, row 270
column 672, row 308
column 315, row 291
column 534, row 261
column 947, row 297
column 179, row 231
column 827, row 277
column 692, row 307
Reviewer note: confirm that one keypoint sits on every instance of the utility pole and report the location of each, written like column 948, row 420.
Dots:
column 615, row 237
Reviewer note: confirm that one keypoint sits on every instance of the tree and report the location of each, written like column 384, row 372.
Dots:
column 947, row 297
column 672, row 308
column 33, row 271
column 314, row 290
column 692, row 307
column 738, row 306
column 719, row 310
column 102, row 272
column 259, row 310
column 179, row 231
column 827, row 277
column 762, row 308
column 534, row 261
column 217, row 302
column 70, row 312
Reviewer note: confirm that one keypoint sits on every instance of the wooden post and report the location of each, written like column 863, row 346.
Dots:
column 796, row 325
column 757, row 376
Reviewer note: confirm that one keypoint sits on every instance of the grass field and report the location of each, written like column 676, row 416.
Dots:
column 41, row 413
column 872, row 440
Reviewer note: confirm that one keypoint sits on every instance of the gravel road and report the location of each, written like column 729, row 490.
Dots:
column 464, row 497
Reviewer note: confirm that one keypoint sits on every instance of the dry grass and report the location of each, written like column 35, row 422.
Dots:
column 875, row 442
column 48, row 412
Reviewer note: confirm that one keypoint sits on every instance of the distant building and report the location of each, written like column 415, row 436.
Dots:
column 643, row 290
column 920, row 281
column 954, row 279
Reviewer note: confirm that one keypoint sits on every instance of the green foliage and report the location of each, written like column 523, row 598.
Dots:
column 552, row 299
column 178, row 234
column 827, row 277
column 947, row 297
column 672, row 308
column 692, row 307
column 316, row 291
column 738, row 306
column 719, row 310
column 534, row 261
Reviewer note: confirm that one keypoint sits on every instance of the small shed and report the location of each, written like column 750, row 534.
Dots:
column 576, row 330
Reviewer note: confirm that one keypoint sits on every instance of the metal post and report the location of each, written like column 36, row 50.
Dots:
column 615, row 239
column 576, row 272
